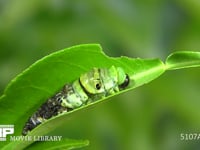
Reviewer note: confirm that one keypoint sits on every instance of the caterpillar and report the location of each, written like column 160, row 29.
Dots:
column 91, row 86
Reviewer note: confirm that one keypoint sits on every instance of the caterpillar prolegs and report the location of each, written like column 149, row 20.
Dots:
column 91, row 86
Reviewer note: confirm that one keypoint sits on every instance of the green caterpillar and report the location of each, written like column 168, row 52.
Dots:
column 91, row 86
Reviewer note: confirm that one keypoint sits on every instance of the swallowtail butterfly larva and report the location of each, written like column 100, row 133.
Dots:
column 91, row 86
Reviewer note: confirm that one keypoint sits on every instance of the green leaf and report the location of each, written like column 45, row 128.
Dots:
column 25, row 94
column 47, row 76
column 66, row 144
column 183, row 59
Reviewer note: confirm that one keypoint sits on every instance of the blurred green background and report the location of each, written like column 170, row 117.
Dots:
column 147, row 118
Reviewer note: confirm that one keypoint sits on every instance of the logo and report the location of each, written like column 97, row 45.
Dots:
column 5, row 130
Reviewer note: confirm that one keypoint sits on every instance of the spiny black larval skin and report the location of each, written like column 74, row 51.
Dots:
column 52, row 107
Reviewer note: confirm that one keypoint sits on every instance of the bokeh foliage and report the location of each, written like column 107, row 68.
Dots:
column 151, row 117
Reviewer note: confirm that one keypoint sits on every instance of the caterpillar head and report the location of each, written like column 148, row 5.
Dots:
column 103, row 80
